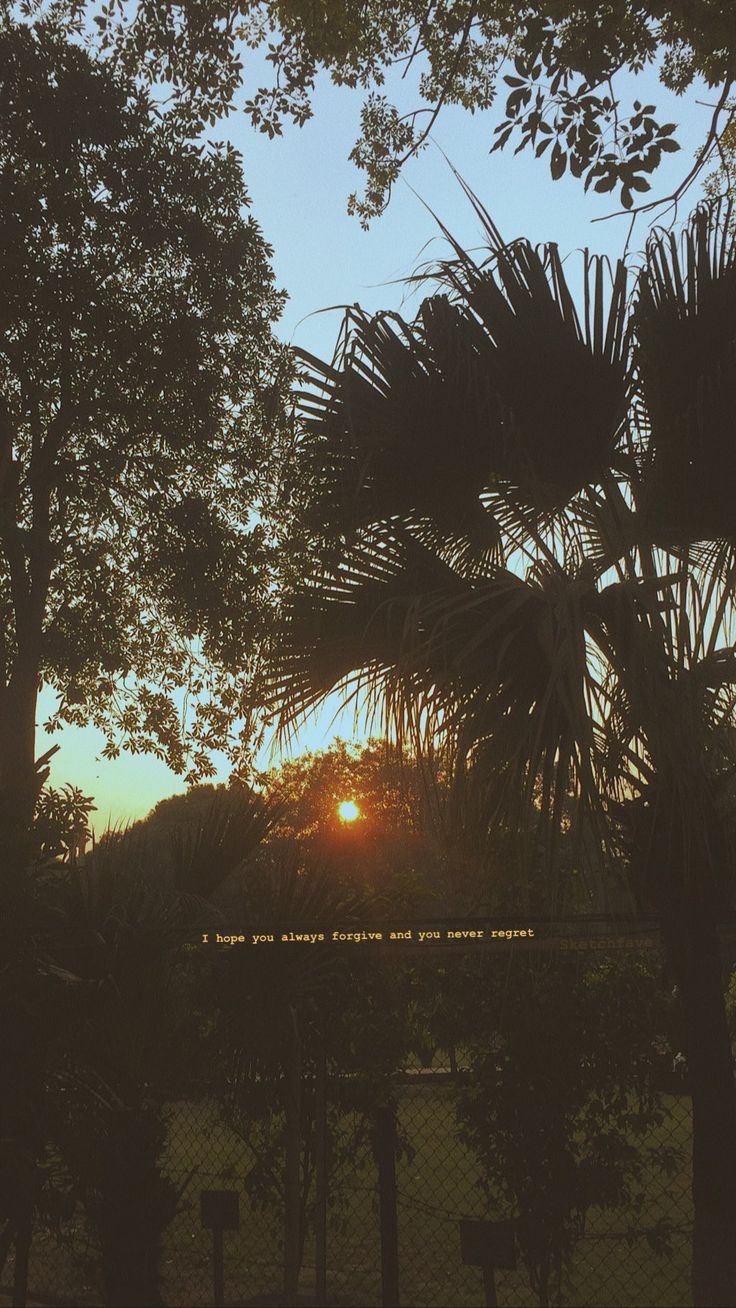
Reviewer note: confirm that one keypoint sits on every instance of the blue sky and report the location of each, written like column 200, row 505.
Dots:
column 299, row 184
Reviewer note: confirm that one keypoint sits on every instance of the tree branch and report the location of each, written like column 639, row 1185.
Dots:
column 437, row 109
column 701, row 159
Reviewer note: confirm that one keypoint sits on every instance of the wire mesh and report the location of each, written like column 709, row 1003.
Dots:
column 633, row 1254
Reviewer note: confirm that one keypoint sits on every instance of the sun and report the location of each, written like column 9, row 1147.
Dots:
column 348, row 811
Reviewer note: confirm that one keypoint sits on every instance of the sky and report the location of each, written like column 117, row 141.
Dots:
column 299, row 185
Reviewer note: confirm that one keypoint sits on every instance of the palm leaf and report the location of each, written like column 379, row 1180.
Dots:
column 561, row 383
column 204, row 855
column 571, row 643
column 496, row 664
column 685, row 320
column 499, row 385
column 402, row 427
column 357, row 618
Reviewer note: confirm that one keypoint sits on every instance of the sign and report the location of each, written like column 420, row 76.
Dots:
column 488, row 1244
column 219, row 1210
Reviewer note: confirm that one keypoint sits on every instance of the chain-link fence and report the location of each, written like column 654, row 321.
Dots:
column 437, row 1184
column 393, row 1203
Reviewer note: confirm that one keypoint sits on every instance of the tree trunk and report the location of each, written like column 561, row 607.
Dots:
column 292, row 1161
column 694, row 951
column 20, row 780
column 22, row 1257
column 129, row 1205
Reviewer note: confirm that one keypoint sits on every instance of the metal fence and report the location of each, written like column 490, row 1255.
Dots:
column 621, row 1258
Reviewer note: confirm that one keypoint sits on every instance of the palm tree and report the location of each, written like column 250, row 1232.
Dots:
column 528, row 553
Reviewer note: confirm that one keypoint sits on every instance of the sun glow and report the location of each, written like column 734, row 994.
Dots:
column 348, row 811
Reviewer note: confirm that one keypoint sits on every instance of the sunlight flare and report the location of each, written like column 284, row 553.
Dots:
column 348, row 811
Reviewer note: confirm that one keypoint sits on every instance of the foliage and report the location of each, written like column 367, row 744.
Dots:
column 61, row 821
column 311, row 786
column 419, row 847
column 116, row 1156
column 365, row 1033
column 528, row 557
column 141, row 390
column 256, row 996
column 559, row 1103
column 35, row 1012
column 341, row 1005
column 402, row 854
column 721, row 181
column 198, row 840
column 399, row 848
column 555, row 63
column 134, row 1037
column 185, row 809
column 550, row 618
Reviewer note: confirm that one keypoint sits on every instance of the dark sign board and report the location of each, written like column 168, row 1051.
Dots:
column 488, row 1244
column 219, row 1210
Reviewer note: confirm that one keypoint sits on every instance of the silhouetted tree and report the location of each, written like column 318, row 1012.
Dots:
column 140, row 390
column 560, row 1105
column 529, row 529
column 556, row 63
column 124, row 919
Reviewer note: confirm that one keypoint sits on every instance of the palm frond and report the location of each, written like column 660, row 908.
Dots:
column 401, row 427
column 685, row 324
column 497, row 664
column 561, row 382
column 357, row 618
column 499, row 384
column 204, row 855
column 533, row 537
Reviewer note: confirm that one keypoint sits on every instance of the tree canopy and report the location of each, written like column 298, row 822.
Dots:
column 141, row 391
column 533, row 562
column 531, row 537
column 553, row 65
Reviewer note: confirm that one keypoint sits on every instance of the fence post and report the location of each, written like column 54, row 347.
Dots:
column 489, row 1285
column 22, row 1253
column 218, row 1268
column 385, row 1151
column 219, row 1210
column 320, row 1150
column 292, row 1160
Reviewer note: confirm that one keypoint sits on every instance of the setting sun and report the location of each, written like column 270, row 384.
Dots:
column 348, row 810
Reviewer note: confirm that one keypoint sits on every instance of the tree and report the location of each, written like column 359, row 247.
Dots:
column 556, row 63
column 123, row 922
column 140, row 390
column 403, row 847
column 529, row 554
column 561, row 1100
column 372, row 774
